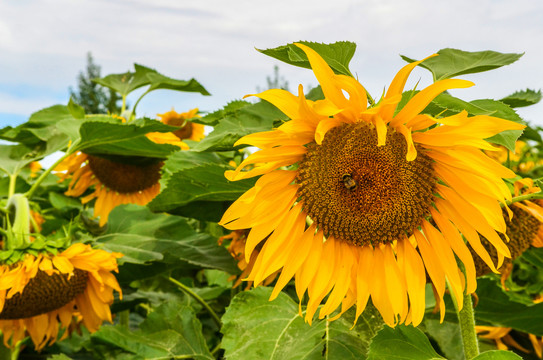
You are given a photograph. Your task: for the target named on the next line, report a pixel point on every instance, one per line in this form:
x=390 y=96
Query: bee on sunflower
x=359 y=202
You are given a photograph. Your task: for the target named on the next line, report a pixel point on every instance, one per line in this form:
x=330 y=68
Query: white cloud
x=43 y=43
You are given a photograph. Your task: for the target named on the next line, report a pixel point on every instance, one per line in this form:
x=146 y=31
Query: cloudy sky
x=43 y=45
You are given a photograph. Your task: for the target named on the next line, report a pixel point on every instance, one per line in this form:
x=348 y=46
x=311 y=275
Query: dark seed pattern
x=125 y=178
x=363 y=194
x=44 y=293
x=183 y=133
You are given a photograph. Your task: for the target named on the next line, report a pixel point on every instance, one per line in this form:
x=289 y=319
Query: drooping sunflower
x=40 y=295
x=187 y=131
x=524 y=229
x=357 y=202
x=504 y=340
x=125 y=179
x=236 y=248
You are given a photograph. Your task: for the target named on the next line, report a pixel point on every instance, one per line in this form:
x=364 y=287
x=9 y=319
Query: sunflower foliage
x=148 y=195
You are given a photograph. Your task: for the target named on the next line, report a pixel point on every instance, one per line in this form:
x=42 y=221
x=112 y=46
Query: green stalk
x=467 y=327
x=21 y=222
x=538 y=195
x=42 y=177
x=12 y=182
x=138 y=101
x=199 y=299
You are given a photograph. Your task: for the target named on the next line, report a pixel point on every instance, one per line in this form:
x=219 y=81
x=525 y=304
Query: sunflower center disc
x=183 y=133
x=363 y=194
x=44 y=293
x=123 y=177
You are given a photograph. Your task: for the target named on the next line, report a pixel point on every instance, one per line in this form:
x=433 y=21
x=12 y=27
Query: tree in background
x=275 y=82
x=94 y=98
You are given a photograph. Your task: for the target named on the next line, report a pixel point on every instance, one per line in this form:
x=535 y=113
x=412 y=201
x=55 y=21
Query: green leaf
x=522 y=98
x=202 y=183
x=506 y=138
x=204 y=204
x=146 y=237
x=230 y=109
x=159 y=81
x=454 y=62
x=497 y=355
x=78 y=112
x=63 y=202
x=447 y=335
x=105 y=137
x=337 y=55
x=446 y=105
x=43 y=129
x=239 y=122
x=14 y=157
x=171 y=331
x=256 y=328
x=495 y=307
x=402 y=342
x=126 y=82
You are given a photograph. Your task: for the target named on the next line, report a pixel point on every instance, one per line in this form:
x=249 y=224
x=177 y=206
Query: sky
x=43 y=45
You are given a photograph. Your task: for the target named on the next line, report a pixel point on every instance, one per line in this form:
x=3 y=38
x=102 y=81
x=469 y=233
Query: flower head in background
x=524 y=229
x=373 y=199
x=40 y=295
x=504 y=340
x=124 y=179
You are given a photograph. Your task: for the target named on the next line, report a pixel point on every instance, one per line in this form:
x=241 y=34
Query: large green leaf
x=145 y=237
x=41 y=126
x=506 y=138
x=337 y=55
x=496 y=308
x=454 y=62
x=202 y=183
x=447 y=105
x=105 y=137
x=230 y=109
x=522 y=98
x=127 y=82
x=497 y=355
x=244 y=120
x=402 y=342
x=255 y=328
x=447 y=335
x=190 y=178
x=159 y=81
x=14 y=157
x=171 y=331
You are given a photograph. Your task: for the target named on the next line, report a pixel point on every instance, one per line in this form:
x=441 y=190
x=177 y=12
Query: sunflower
x=125 y=179
x=41 y=294
x=504 y=340
x=236 y=248
x=187 y=131
x=524 y=229
x=357 y=202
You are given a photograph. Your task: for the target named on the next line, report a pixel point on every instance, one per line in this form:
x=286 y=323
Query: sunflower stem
x=12 y=182
x=187 y=290
x=538 y=195
x=138 y=101
x=467 y=327
x=42 y=177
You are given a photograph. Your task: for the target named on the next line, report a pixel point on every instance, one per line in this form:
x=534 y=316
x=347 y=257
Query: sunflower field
x=330 y=223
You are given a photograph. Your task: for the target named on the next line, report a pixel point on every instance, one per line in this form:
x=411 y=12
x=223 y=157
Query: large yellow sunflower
x=40 y=295
x=372 y=199
x=125 y=180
